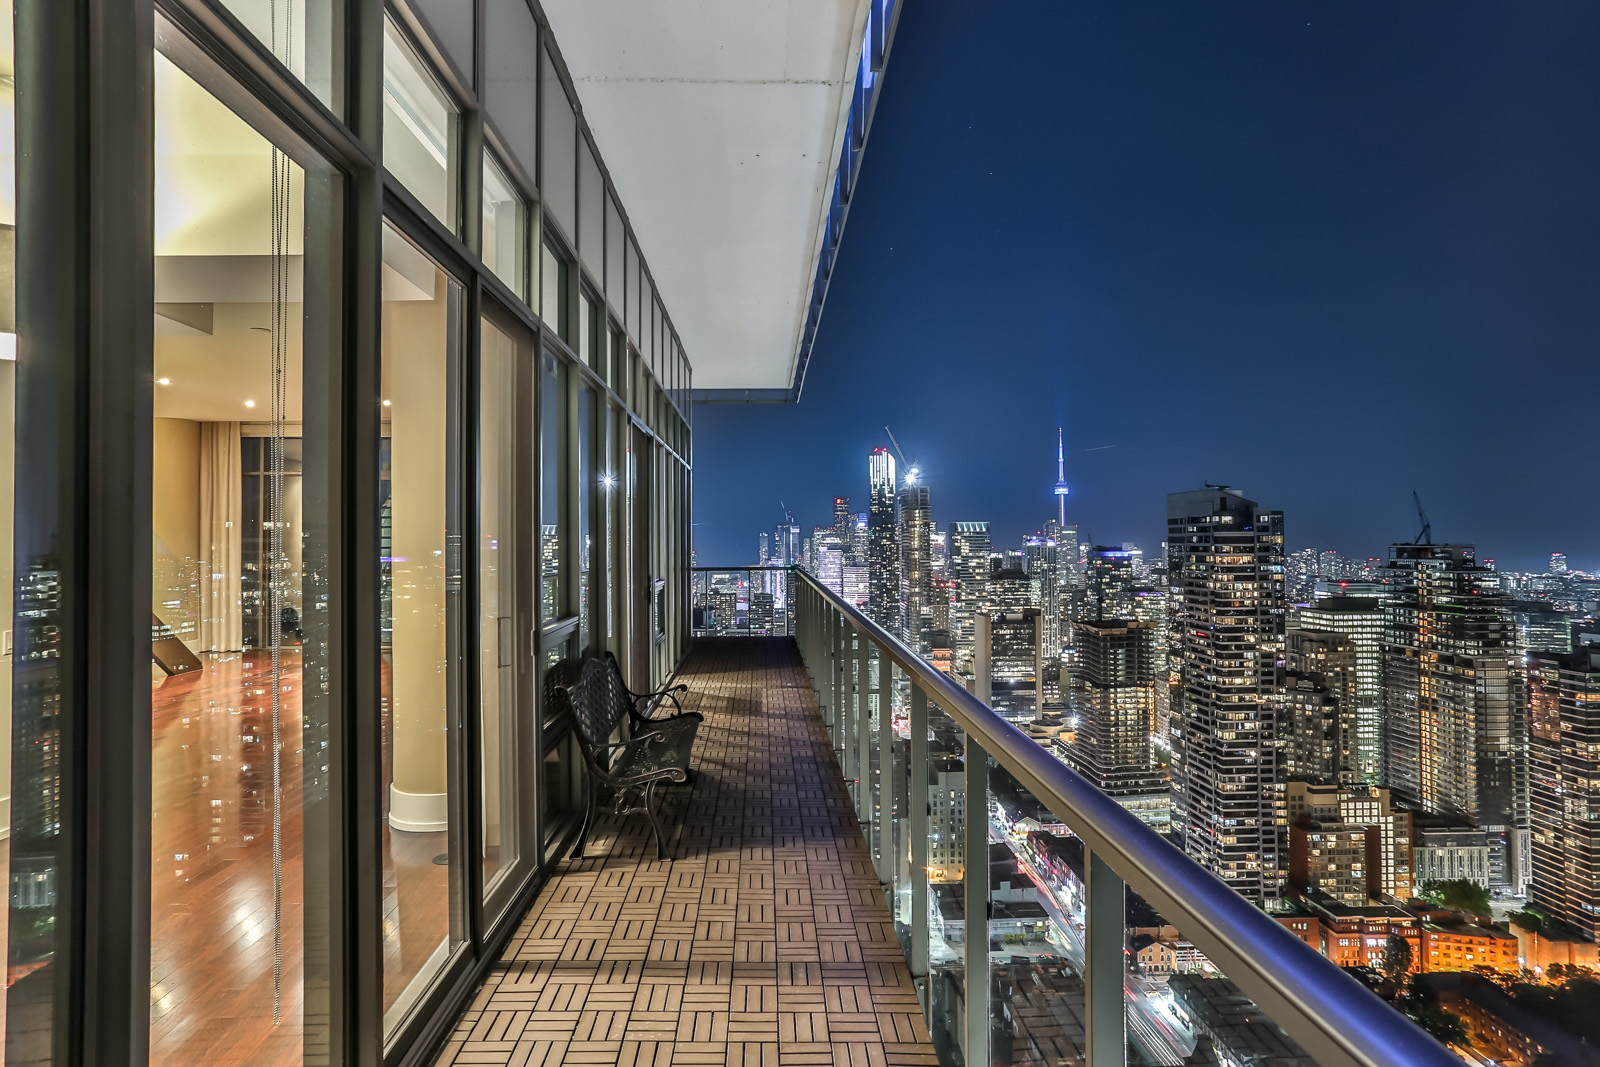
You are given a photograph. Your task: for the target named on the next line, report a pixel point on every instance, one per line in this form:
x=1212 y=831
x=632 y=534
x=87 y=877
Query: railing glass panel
x=742 y=601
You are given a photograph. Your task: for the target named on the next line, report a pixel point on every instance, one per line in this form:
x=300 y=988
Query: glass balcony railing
x=742 y=601
x=1104 y=943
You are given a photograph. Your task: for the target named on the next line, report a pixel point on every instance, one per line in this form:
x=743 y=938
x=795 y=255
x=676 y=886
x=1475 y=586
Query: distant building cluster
x=1333 y=737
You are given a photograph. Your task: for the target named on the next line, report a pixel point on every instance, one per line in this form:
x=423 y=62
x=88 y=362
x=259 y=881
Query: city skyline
x=1337 y=221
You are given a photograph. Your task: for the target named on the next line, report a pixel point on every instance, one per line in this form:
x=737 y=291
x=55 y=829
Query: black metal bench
x=656 y=750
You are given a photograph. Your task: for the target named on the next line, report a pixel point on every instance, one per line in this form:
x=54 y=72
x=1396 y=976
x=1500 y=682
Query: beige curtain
x=221 y=538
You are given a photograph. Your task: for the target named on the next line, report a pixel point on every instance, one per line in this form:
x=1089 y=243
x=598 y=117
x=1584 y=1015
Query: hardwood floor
x=211 y=872
x=765 y=942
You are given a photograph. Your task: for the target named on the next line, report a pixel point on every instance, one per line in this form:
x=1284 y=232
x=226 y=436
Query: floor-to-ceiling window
x=421 y=508
x=384 y=491
x=241 y=453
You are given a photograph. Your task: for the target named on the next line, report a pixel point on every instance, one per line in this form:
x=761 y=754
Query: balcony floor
x=765 y=942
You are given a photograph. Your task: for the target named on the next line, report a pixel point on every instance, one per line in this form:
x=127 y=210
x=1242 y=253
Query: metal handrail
x=1332 y=1016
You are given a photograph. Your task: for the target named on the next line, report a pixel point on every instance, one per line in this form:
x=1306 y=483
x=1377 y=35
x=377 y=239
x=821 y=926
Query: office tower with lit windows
x=765 y=548
x=1113 y=698
x=1039 y=555
x=854 y=585
x=860 y=539
x=786 y=544
x=1111 y=582
x=916 y=561
x=1015 y=668
x=884 y=605
x=969 y=594
x=1360 y=619
x=1010 y=589
x=1455 y=742
x=843 y=521
x=1225 y=562
x=1558 y=563
x=1564 y=785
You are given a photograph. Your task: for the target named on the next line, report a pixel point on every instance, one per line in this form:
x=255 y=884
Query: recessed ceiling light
x=163 y=381
x=249 y=403
x=386 y=403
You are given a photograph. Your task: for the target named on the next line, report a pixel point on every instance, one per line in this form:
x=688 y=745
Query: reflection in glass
x=497 y=624
x=240 y=451
x=552 y=465
x=420 y=128
x=947 y=874
x=588 y=484
x=421 y=331
x=553 y=298
x=504 y=224
x=1036 y=931
x=305 y=37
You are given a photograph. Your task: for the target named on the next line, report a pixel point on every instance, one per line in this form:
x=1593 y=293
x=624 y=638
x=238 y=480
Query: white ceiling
x=720 y=122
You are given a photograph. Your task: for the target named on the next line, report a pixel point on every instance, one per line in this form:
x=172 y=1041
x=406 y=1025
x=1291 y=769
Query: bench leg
x=588 y=821
x=655 y=822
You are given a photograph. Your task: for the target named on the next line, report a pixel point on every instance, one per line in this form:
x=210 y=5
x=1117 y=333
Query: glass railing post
x=976 y=909
x=917 y=810
x=839 y=675
x=864 y=810
x=1105 y=968
x=885 y=816
x=852 y=724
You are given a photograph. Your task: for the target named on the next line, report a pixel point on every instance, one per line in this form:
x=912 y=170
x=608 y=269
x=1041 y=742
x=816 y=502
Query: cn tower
x=1061 y=478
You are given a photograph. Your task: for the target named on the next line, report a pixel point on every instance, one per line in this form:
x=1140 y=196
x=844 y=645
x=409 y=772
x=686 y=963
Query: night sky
x=1327 y=253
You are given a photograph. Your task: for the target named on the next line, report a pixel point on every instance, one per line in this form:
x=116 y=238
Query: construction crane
x=911 y=466
x=1425 y=535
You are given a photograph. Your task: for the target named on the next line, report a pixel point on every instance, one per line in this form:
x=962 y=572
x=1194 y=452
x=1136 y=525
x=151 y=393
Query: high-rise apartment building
x=1013 y=655
x=1564 y=785
x=1454 y=739
x=916 y=564
x=969 y=571
x=1113 y=698
x=884 y=605
x=1321 y=695
x=1348 y=841
x=1360 y=619
x=1151 y=606
x=1225 y=562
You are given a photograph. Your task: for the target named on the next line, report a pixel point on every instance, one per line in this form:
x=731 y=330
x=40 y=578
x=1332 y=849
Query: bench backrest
x=599 y=703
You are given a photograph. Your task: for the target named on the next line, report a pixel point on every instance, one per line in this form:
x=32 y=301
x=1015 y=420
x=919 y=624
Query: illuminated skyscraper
x=969 y=570
x=1014 y=662
x=1454 y=741
x=765 y=548
x=1039 y=554
x=1225 y=561
x=1111 y=583
x=916 y=562
x=883 y=542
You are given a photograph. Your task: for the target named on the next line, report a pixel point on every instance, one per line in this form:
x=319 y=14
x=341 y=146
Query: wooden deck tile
x=765 y=942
